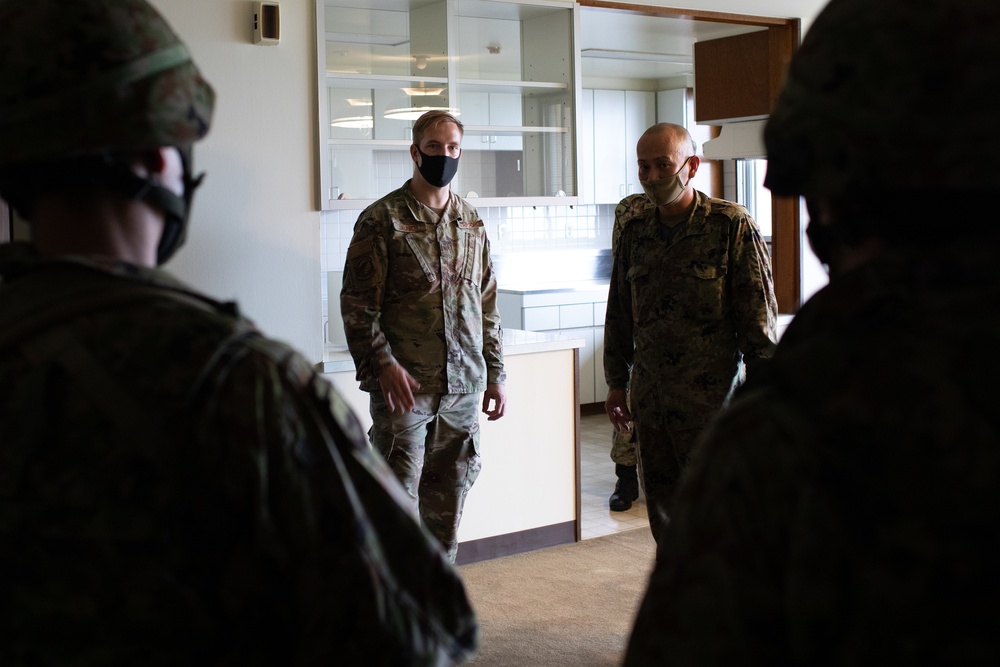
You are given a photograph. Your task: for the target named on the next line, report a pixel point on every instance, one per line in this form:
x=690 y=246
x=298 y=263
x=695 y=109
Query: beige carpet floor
x=572 y=604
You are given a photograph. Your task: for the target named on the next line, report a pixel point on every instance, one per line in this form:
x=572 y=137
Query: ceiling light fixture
x=360 y=122
x=422 y=92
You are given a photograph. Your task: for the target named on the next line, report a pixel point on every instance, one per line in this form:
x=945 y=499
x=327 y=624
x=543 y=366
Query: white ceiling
x=632 y=46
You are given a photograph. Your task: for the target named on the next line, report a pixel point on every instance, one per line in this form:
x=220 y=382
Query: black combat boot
x=626 y=488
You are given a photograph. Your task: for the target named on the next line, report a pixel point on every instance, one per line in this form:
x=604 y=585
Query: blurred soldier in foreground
x=690 y=305
x=176 y=489
x=421 y=320
x=842 y=510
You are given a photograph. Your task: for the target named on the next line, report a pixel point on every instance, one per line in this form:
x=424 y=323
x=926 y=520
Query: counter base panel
x=522 y=541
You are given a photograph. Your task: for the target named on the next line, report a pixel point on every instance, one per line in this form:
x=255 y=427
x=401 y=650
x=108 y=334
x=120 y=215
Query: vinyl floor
x=597 y=481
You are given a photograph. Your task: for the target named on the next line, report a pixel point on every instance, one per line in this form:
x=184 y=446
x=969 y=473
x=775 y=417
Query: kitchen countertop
x=599 y=285
x=336 y=358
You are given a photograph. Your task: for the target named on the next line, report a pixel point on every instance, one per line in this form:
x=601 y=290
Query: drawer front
x=541 y=319
x=576 y=315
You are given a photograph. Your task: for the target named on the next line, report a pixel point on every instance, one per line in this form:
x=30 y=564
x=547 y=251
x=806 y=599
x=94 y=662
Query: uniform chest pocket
x=471 y=243
x=643 y=306
x=413 y=257
x=704 y=295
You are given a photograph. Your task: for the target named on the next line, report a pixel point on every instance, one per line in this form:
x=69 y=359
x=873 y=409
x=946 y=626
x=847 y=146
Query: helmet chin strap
x=176 y=208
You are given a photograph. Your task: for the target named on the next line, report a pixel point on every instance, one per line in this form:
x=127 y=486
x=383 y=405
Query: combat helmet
x=890 y=96
x=98 y=78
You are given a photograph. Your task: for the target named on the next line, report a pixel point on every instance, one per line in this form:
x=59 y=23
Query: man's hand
x=618 y=412
x=495 y=393
x=397 y=388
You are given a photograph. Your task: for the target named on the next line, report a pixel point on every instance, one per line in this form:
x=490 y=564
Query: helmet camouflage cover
x=87 y=76
x=890 y=95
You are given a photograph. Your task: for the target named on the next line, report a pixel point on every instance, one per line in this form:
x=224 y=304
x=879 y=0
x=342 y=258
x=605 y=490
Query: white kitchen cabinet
x=573 y=312
x=619 y=117
x=492 y=121
x=505 y=68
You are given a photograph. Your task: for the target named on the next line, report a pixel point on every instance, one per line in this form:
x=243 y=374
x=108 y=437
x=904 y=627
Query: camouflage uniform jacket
x=177 y=489
x=682 y=313
x=842 y=510
x=422 y=292
x=628 y=208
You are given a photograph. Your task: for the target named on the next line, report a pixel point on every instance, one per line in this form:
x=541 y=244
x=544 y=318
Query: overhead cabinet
x=611 y=123
x=504 y=68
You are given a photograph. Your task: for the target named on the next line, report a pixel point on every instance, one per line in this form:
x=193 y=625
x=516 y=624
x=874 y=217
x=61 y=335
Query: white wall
x=254 y=233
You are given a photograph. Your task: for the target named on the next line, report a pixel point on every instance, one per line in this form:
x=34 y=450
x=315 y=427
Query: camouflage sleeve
x=327 y=535
x=618 y=338
x=755 y=308
x=492 y=332
x=361 y=297
x=715 y=596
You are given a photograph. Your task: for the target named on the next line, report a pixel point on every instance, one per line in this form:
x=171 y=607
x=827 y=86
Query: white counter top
x=600 y=286
x=336 y=358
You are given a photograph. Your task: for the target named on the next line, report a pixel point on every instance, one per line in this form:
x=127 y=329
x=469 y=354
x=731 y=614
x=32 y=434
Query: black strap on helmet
x=176 y=208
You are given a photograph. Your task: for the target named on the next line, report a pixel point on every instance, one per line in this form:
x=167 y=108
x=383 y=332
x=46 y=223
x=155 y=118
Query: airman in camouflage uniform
x=691 y=302
x=842 y=511
x=623 y=442
x=175 y=488
x=421 y=321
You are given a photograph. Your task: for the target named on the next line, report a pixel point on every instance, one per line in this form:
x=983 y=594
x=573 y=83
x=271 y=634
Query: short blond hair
x=433 y=119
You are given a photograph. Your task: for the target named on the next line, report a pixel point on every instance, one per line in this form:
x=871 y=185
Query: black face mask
x=438 y=170
x=177 y=210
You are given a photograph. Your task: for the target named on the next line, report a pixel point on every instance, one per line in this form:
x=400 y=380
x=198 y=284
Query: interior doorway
x=653 y=48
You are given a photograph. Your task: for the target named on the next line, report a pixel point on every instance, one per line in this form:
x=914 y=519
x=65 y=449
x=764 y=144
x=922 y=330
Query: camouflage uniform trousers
x=434 y=452
x=662 y=456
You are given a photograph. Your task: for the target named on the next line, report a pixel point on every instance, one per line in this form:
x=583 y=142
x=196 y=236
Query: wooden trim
x=783 y=42
x=786 y=253
x=509 y=544
x=785 y=219
x=692 y=14
x=577 y=490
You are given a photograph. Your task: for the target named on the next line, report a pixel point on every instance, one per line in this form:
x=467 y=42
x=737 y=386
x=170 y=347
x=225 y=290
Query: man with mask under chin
x=421 y=321
x=691 y=307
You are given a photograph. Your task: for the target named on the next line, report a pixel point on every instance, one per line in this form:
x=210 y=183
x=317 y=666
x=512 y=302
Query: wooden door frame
x=784 y=38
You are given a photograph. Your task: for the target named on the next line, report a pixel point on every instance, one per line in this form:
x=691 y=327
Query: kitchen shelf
x=381 y=81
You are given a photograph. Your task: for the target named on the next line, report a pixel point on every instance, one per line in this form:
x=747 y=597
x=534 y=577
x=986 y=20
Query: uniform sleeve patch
x=362 y=268
x=360 y=248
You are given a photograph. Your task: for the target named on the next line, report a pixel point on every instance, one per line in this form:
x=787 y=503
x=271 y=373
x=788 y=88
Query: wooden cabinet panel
x=733 y=78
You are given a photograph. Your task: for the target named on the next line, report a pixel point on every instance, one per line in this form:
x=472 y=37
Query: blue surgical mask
x=438 y=170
